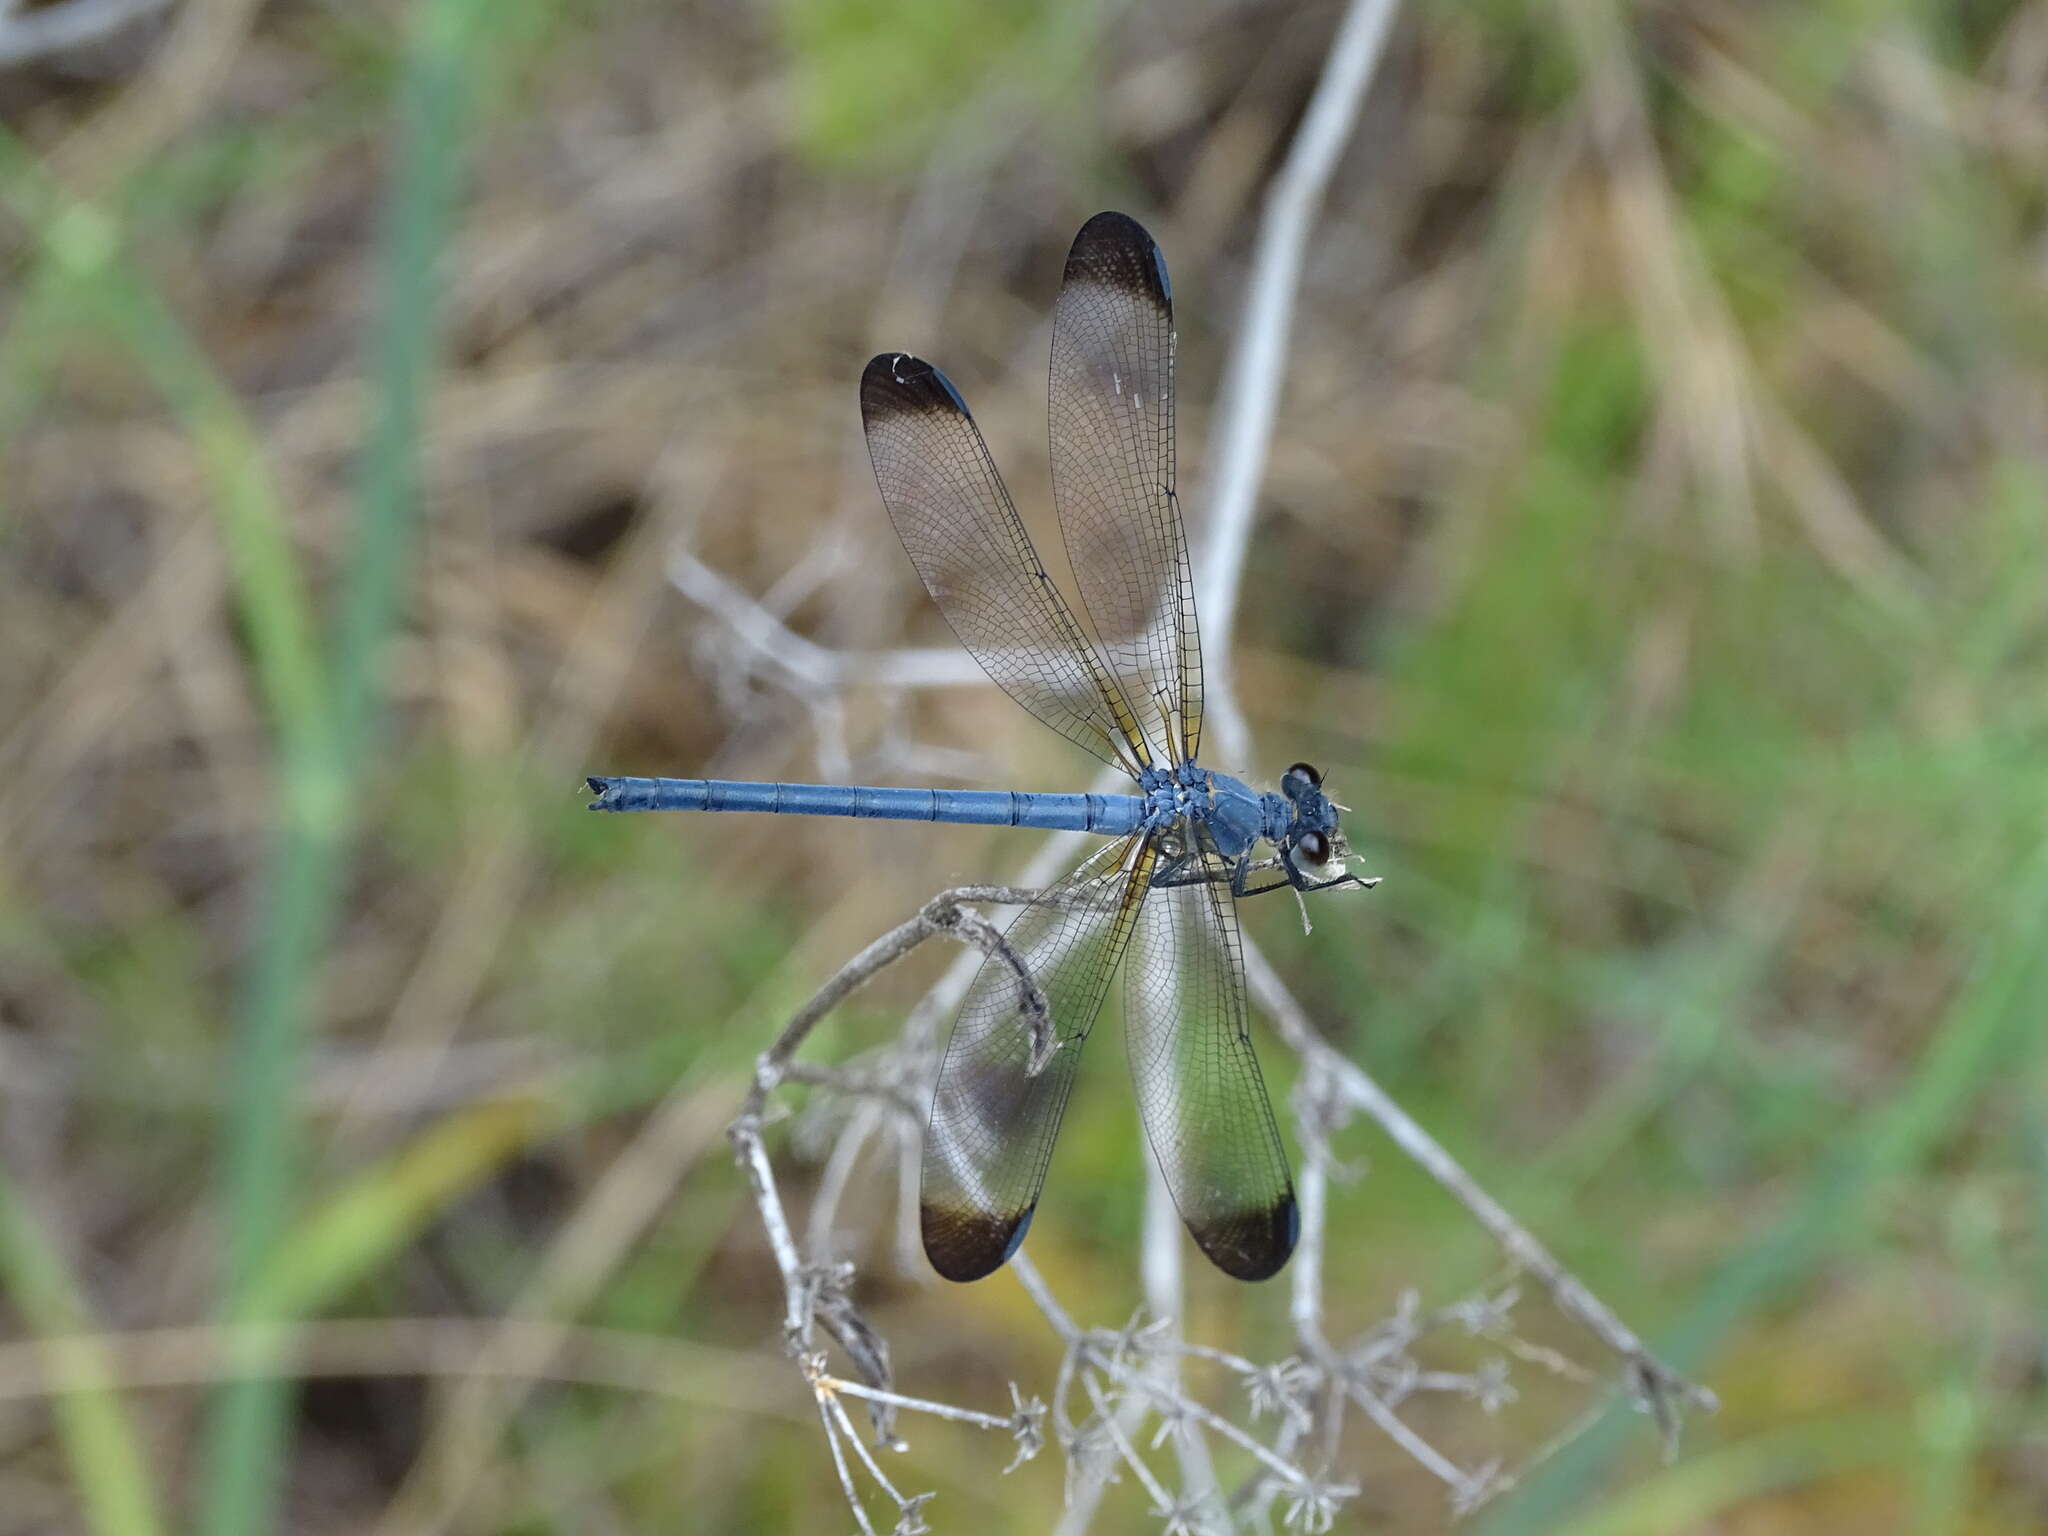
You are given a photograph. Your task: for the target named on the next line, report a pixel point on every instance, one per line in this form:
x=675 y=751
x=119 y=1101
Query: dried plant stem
x=1128 y=1376
x=29 y=36
x=1665 y=1393
x=946 y=913
x=1259 y=365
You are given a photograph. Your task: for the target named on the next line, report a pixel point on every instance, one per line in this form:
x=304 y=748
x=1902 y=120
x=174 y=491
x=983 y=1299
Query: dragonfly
x=1160 y=895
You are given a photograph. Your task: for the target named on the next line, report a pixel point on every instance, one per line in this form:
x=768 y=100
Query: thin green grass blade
x=246 y=1439
x=1700 y=1489
x=84 y=271
x=1992 y=1030
x=362 y=1225
x=1953 y=1418
x=94 y=1426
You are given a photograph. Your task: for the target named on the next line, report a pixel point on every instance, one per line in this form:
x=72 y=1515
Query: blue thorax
x=1235 y=815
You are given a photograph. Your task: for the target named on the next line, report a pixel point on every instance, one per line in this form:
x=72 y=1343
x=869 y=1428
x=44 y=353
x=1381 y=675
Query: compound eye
x=1313 y=846
x=1308 y=773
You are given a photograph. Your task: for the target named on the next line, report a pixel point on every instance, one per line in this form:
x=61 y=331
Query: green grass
x=322 y=751
x=323 y=706
x=116 y=1491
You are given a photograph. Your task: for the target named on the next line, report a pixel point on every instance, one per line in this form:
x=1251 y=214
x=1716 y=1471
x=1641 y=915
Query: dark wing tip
x=1114 y=249
x=967 y=1245
x=895 y=383
x=1254 y=1245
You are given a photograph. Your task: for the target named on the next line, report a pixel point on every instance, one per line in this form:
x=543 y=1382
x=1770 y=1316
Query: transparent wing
x=1200 y=1095
x=992 y=1127
x=974 y=556
x=1113 y=473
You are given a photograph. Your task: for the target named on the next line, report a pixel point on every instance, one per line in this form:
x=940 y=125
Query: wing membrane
x=972 y=552
x=1200 y=1095
x=1111 y=398
x=992 y=1127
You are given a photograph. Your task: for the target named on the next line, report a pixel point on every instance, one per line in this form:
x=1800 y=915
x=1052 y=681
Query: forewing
x=1200 y=1095
x=974 y=556
x=1111 y=400
x=993 y=1126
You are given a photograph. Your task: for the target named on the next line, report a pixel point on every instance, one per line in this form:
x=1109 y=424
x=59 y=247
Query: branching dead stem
x=1111 y=1398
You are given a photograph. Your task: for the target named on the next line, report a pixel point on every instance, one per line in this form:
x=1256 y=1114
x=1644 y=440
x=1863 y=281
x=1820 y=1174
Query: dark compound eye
x=1314 y=847
x=1308 y=773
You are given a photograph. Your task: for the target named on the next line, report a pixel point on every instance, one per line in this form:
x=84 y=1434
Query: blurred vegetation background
x=1653 y=552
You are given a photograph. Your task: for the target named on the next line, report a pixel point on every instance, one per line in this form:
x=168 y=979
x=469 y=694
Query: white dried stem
x=925 y=1405
x=853 y=1499
x=28 y=37
x=805 y=665
x=1106 y=1416
x=1258 y=369
x=1665 y=1392
x=838 y=1412
x=1391 y=1424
